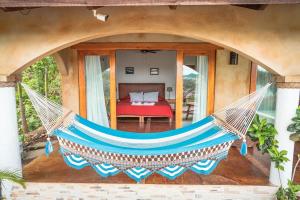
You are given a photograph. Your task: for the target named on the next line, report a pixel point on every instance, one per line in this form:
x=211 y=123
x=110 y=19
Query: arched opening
x=227 y=78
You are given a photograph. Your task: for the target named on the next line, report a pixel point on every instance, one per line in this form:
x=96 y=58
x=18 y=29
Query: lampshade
x=169 y=89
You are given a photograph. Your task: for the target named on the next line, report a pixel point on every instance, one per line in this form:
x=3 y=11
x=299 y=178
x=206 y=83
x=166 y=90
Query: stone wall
x=82 y=191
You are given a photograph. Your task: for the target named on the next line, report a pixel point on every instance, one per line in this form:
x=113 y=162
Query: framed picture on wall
x=129 y=70
x=154 y=71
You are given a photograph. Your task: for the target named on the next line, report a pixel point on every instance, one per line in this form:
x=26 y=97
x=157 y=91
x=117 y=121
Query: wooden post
x=211 y=81
x=113 y=96
x=179 y=89
x=82 y=85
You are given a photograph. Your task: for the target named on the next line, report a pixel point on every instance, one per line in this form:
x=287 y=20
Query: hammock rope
x=198 y=147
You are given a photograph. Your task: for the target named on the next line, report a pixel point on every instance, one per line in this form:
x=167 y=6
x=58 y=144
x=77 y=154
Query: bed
x=125 y=109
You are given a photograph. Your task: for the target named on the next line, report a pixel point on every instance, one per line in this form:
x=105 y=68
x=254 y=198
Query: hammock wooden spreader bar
x=198 y=147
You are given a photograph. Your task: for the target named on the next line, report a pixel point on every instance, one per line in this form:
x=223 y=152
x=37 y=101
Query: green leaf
x=291 y=127
x=12 y=176
x=295 y=119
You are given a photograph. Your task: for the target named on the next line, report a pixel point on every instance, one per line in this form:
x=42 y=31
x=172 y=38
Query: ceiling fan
x=148 y=51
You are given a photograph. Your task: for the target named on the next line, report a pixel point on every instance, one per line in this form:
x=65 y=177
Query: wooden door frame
x=112 y=78
x=253 y=77
x=211 y=53
x=181 y=50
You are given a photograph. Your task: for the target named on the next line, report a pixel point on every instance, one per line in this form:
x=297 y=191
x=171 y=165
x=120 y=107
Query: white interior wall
x=142 y=62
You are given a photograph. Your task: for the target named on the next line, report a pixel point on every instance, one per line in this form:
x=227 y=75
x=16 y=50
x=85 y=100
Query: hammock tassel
x=48 y=147
x=244 y=147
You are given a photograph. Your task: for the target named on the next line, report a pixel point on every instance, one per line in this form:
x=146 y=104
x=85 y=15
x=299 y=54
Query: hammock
x=198 y=147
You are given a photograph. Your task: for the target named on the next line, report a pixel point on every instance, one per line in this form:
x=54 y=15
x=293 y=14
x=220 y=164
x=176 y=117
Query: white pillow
x=136 y=96
x=151 y=97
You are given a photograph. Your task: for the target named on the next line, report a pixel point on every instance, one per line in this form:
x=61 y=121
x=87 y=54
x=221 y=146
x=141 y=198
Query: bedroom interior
x=179 y=75
x=186 y=72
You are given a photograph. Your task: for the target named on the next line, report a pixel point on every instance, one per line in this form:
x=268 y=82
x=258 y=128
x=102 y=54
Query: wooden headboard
x=125 y=88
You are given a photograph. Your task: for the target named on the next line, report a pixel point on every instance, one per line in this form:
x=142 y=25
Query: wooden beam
x=35 y=3
x=253 y=6
x=145 y=46
x=179 y=90
x=173 y=7
x=14 y=9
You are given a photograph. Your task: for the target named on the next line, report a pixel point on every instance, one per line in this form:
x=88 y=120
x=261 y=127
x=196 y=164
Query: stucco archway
x=270 y=37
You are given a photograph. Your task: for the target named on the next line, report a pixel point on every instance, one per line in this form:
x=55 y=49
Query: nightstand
x=172 y=103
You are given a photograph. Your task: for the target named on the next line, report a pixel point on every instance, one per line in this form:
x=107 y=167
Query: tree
x=43 y=77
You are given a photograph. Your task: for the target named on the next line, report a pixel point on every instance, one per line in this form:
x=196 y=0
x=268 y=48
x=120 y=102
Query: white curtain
x=96 y=109
x=201 y=88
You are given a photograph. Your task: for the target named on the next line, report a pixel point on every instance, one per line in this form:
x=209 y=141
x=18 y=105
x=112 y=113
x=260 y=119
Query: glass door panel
x=195 y=88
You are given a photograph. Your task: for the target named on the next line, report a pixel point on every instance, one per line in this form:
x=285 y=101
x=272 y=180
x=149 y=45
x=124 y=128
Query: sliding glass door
x=195 y=84
x=97 y=87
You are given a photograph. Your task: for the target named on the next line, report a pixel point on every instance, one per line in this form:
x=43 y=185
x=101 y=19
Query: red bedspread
x=161 y=109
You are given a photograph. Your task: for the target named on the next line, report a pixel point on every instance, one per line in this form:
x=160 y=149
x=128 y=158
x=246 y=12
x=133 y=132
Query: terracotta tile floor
x=234 y=170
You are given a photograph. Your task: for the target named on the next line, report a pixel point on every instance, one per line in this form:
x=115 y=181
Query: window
x=268 y=105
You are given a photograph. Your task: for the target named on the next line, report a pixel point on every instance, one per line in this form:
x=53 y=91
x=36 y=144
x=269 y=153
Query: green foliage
x=263 y=133
x=12 y=176
x=278 y=157
x=281 y=194
x=289 y=193
x=34 y=77
x=295 y=126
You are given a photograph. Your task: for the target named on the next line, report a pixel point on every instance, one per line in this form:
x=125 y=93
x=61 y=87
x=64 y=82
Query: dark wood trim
x=253 y=6
x=288 y=85
x=7 y=84
x=253 y=77
x=38 y=3
x=145 y=45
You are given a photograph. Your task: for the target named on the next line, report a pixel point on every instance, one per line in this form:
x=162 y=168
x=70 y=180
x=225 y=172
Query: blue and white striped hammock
x=198 y=147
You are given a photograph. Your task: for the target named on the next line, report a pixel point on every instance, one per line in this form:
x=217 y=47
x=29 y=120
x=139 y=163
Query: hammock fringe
x=244 y=148
x=48 y=147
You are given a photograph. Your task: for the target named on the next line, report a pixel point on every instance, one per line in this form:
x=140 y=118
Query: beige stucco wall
x=271 y=37
x=70 y=89
x=145 y=37
x=232 y=81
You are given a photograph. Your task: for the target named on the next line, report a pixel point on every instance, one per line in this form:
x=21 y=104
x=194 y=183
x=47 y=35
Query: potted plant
x=295 y=127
